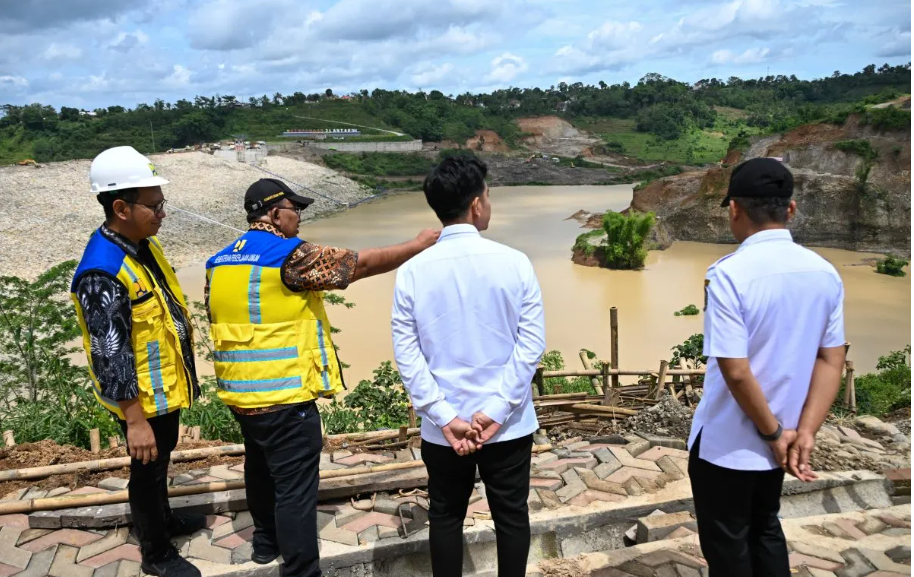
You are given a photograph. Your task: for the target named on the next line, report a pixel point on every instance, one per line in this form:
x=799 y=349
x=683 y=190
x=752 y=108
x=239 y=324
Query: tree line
x=659 y=105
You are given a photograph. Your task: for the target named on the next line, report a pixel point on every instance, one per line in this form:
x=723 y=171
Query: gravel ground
x=53 y=203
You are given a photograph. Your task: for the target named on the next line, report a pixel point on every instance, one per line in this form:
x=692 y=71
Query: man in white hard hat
x=137 y=336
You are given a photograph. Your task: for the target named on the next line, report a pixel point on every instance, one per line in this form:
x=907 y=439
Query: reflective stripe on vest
x=161 y=375
x=272 y=345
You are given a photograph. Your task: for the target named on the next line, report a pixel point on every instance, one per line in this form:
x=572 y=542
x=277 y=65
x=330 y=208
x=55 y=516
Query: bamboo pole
x=386 y=436
x=113 y=442
x=8 y=439
x=585 y=360
x=114 y=463
x=641 y=373
x=661 y=378
x=563 y=402
x=614 y=342
x=850 y=392
x=559 y=397
x=402 y=437
x=95 y=441
x=371 y=435
x=94 y=499
x=412 y=417
x=602 y=409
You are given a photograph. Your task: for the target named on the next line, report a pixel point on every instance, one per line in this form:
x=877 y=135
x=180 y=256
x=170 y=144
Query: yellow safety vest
x=162 y=376
x=272 y=345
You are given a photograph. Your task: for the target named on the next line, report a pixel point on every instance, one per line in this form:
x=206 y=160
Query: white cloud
x=750 y=56
x=613 y=35
x=505 y=68
x=179 y=77
x=13 y=81
x=899 y=45
x=430 y=75
x=127 y=41
x=56 y=52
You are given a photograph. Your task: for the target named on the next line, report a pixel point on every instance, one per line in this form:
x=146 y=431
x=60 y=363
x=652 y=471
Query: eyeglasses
x=155 y=208
x=296 y=209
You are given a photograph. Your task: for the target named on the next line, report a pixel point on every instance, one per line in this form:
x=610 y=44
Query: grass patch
x=892 y=266
x=583 y=244
x=380 y=163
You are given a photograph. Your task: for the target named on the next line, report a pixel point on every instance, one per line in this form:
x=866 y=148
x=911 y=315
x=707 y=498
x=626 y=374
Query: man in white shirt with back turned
x=468 y=334
x=774 y=335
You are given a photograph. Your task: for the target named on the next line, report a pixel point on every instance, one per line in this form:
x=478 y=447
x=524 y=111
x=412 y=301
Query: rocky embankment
x=835 y=209
x=49 y=212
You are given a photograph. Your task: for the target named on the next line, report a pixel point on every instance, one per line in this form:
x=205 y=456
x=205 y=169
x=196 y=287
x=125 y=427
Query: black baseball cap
x=759 y=178
x=267 y=191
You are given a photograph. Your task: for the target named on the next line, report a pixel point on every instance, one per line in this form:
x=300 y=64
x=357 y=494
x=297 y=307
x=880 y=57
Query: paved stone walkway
x=578 y=476
x=861 y=544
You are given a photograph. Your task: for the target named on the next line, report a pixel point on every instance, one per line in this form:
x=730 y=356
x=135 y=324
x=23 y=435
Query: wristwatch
x=773 y=436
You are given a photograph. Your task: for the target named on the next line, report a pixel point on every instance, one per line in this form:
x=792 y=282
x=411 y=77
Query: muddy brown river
x=577 y=299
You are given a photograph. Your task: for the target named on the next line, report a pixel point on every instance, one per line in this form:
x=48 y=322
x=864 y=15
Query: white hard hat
x=122 y=167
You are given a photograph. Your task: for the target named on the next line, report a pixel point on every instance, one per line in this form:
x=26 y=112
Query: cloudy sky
x=91 y=53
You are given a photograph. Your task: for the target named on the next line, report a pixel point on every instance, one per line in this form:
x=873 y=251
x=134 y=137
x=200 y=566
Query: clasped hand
x=467 y=438
x=792 y=452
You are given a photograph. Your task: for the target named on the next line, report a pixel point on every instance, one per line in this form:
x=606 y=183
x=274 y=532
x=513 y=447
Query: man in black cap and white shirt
x=774 y=335
x=274 y=357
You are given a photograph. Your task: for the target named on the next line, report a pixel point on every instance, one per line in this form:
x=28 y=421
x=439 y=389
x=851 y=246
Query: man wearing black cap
x=274 y=357
x=774 y=337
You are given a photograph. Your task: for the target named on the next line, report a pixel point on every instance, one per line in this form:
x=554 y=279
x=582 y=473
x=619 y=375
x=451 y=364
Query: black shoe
x=170 y=565
x=264 y=555
x=185 y=523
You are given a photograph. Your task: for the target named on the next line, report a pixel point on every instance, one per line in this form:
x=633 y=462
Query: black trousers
x=505 y=470
x=281 y=475
x=148 y=488
x=737 y=513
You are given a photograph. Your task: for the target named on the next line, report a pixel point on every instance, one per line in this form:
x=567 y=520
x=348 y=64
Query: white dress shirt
x=775 y=303
x=468 y=333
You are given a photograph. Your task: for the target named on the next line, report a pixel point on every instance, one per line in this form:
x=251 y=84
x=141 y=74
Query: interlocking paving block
x=128 y=569
x=686 y=571
x=182 y=479
x=899 y=554
x=224 y=473
x=664 y=556
x=34 y=493
x=655 y=453
x=534 y=503
x=871 y=525
x=362 y=459
x=70 y=537
x=593 y=481
x=849 y=432
x=40 y=563
x=201 y=548
x=894 y=520
x=113 y=484
x=815 y=551
x=590 y=495
x=881 y=562
x=242 y=553
x=649 y=485
x=10 y=554
x=481 y=506
x=626 y=473
x=562 y=465
x=369 y=535
x=680 y=532
x=338 y=535
x=637 y=569
x=627 y=460
x=64 y=564
x=855 y=565
x=109 y=570
x=235 y=539
x=550 y=484
x=801 y=560
x=58 y=491
x=549 y=498
x=657 y=527
x=114 y=538
x=612 y=439
x=637 y=446
x=16 y=520
x=337 y=455
x=543 y=459
x=369 y=520
x=577 y=446
x=633 y=487
x=14 y=495
x=31 y=535
x=123 y=552
x=574 y=486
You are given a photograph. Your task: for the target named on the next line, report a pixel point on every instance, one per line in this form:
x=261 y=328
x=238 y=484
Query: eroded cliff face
x=834 y=208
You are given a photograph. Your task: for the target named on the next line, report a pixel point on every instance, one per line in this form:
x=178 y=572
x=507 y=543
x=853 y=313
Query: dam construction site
x=610 y=492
